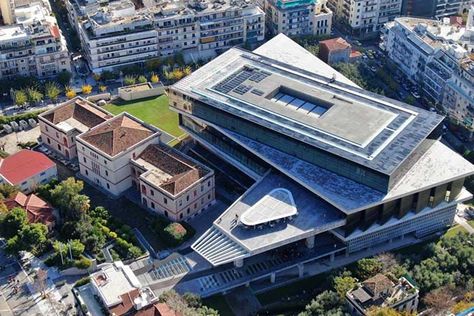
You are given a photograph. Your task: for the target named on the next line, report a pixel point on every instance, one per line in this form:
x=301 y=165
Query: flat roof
x=114 y=280
x=313 y=216
x=363 y=127
x=436 y=165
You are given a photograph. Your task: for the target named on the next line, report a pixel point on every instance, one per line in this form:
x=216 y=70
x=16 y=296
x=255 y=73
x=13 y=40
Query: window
x=187 y=198
x=195 y=205
x=166 y=213
x=181 y=216
x=152 y=205
x=165 y=200
x=87 y=172
x=195 y=193
x=208 y=196
x=108 y=186
x=84 y=159
x=152 y=192
x=106 y=173
x=188 y=210
x=24 y=183
x=59 y=147
x=49 y=140
x=43 y=173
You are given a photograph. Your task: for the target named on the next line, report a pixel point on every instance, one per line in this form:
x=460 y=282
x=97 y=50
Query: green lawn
x=454 y=230
x=154 y=111
x=471 y=222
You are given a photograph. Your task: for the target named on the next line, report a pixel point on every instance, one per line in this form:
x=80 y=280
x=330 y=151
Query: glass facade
x=292 y=146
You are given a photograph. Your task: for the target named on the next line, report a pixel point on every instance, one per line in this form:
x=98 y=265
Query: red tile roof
x=159 y=309
x=81 y=110
x=117 y=134
x=126 y=306
x=24 y=165
x=38 y=211
x=183 y=171
x=335 y=44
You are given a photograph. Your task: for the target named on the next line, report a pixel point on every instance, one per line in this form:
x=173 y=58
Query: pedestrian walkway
x=175 y=267
x=462 y=221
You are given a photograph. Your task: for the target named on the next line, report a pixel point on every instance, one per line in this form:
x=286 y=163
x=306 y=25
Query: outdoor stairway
x=216 y=247
x=172 y=268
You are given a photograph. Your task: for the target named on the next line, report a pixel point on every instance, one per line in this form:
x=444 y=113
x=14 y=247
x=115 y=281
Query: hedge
x=82 y=281
x=18 y=117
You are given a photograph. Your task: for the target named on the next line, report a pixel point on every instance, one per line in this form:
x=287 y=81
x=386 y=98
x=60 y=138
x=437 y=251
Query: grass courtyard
x=153 y=110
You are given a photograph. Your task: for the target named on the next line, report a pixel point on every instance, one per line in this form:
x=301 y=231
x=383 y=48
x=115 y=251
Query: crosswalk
x=172 y=268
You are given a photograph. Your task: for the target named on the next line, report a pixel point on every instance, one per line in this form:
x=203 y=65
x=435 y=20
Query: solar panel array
x=299 y=105
x=233 y=81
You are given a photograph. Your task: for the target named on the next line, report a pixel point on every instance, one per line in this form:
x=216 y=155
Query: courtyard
x=154 y=111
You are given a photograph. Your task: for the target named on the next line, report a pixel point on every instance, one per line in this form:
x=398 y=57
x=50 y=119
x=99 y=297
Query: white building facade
x=32 y=44
x=296 y=18
x=119 y=34
x=365 y=18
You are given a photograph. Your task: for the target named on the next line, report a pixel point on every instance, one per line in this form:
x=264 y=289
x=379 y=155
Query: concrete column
x=239 y=263
x=247 y=284
x=347 y=253
x=331 y=258
x=390 y=240
x=272 y=277
x=403 y=236
x=310 y=242
x=300 y=270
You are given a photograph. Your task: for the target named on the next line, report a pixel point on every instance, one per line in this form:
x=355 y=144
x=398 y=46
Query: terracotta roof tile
x=79 y=109
x=335 y=44
x=117 y=134
x=23 y=165
x=38 y=211
x=183 y=170
x=378 y=284
x=159 y=309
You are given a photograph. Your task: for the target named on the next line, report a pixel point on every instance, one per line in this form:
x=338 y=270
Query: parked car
x=24 y=124
x=7 y=128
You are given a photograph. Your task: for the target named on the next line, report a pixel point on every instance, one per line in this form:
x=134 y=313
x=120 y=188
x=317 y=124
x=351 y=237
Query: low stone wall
x=140 y=91
x=101 y=96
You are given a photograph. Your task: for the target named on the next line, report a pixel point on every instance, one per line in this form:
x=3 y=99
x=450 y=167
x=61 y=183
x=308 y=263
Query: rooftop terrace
x=276 y=228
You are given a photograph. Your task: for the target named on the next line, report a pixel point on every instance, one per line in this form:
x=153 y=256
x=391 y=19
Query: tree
x=8 y=191
x=63 y=78
x=79 y=206
x=3 y=209
x=34 y=96
x=20 y=97
x=77 y=248
x=326 y=303
x=367 y=268
x=64 y=193
x=439 y=300
x=13 y=222
x=141 y=79
x=34 y=236
x=70 y=93
x=86 y=89
x=343 y=284
x=154 y=78
x=429 y=276
x=52 y=90
x=129 y=80
x=187 y=70
x=352 y=72
x=153 y=64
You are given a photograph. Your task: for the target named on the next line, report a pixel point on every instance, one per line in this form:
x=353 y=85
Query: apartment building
x=365 y=18
x=121 y=33
x=434 y=55
x=104 y=152
x=61 y=125
x=435 y=8
x=458 y=98
x=171 y=183
x=298 y=17
x=31 y=44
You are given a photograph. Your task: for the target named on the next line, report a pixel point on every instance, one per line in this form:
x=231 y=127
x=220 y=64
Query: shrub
x=86 y=89
x=129 y=80
x=141 y=79
x=176 y=232
x=113 y=235
x=102 y=88
x=82 y=281
x=82 y=263
x=23 y=116
x=70 y=93
x=154 y=78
